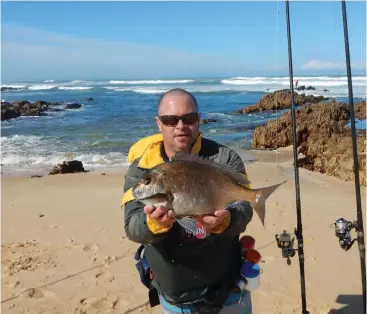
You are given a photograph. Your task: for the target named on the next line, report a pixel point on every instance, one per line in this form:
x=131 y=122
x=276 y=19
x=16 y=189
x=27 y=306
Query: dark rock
x=41 y=215
x=310 y=88
x=4 y=88
x=206 y=121
x=325 y=90
x=36 y=176
x=72 y=106
x=9 y=112
x=68 y=167
x=90 y=99
x=302 y=87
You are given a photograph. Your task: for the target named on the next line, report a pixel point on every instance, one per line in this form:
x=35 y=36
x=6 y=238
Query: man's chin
x=183 y=143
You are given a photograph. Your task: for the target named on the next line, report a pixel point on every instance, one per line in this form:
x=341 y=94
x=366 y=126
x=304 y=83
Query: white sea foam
x=14 y=85
x=138 y=90
x=152 y=82
x=324 y=85
x=75 y=87
x=26 y=151
x=48 y=81
x=41 y=87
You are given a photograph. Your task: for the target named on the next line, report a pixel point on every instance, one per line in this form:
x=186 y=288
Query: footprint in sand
x=97 y=303
x=90 y=247
x=104 y=277
x=36 y=293
x=13 y=284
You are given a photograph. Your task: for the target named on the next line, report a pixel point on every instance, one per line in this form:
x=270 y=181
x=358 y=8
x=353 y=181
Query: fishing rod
x=343 y=226
x=285 y=240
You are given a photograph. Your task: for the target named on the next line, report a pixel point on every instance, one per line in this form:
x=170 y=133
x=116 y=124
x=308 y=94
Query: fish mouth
x=157 y=195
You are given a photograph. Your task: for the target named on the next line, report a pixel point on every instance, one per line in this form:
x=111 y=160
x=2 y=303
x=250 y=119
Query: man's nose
x=180 y=124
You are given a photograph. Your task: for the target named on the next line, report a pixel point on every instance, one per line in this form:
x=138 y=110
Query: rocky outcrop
x=320 y=120
x=360 y=110
x=26 y=108
x=334 y=157
x=68 y=167
x=22 y=108
x=322 y=137
x=281 y=99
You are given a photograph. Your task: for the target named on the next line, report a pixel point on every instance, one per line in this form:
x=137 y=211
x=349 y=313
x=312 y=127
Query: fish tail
x=259 y=198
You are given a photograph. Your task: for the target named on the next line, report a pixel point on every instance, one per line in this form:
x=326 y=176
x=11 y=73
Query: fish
x=191 y=185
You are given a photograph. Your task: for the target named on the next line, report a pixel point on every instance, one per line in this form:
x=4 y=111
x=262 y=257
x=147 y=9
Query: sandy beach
x=64 y=249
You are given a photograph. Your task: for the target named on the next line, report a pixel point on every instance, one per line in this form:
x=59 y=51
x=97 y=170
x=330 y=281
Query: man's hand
x=211 y=222
x=160 y=215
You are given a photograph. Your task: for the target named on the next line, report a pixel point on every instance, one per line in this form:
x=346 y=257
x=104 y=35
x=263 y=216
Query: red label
x=200 y=231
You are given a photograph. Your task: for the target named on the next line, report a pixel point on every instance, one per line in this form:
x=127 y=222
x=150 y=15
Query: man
x=190 y=274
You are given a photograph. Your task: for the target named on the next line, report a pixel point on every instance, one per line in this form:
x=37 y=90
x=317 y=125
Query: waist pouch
x=146 y=275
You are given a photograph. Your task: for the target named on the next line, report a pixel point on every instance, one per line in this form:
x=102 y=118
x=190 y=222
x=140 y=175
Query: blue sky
x=112 y=40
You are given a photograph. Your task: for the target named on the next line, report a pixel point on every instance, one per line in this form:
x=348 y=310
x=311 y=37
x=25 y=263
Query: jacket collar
x=152 y=155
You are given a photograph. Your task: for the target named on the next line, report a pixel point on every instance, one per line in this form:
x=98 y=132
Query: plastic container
x=252 y=256
x=251 y=272
x=247 y=243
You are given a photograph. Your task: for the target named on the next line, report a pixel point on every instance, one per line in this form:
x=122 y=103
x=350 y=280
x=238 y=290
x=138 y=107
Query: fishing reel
x=285 y=242
x=342 y=231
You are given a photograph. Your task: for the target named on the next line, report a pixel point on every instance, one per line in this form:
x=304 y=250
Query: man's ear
x=158 y=123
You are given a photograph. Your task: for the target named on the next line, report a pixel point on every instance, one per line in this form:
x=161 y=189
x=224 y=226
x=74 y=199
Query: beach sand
x=64 y=249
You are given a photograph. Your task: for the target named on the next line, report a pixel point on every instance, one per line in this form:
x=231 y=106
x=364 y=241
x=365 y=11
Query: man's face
x=181 y=136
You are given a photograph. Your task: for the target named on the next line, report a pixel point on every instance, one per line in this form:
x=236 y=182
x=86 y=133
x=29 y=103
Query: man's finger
x=211 y=220
x=148 y=209
x=158 y=213
x=222 y=213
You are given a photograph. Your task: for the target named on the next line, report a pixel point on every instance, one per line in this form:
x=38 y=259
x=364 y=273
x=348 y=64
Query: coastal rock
x=322 y=138
x=334 y=156
x=281 y=99
x=72 y=106
x=360 y=110
x=8 y=112
x=90 y=99
x=320 y=120
x=68 y=167
x=26 y=108
x=206 y=121
x=305 y=88
x=5 y=88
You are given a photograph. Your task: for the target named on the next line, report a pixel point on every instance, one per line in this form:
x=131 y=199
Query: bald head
x=177 y=92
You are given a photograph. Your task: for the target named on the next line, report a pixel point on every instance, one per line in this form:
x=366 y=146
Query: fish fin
x=239 y=177
x=261 y=196
x=193 y=227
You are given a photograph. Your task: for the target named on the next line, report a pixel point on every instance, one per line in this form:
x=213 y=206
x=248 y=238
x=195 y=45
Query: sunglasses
x=171 y=120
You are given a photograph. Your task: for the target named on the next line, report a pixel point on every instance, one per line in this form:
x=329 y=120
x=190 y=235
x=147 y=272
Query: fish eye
x=147 y=181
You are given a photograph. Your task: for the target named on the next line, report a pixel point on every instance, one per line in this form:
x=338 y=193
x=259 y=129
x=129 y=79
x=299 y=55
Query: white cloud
x=34 y=52
x=330 y=65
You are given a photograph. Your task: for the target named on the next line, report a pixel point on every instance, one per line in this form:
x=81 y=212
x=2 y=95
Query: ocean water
x=122 y=111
